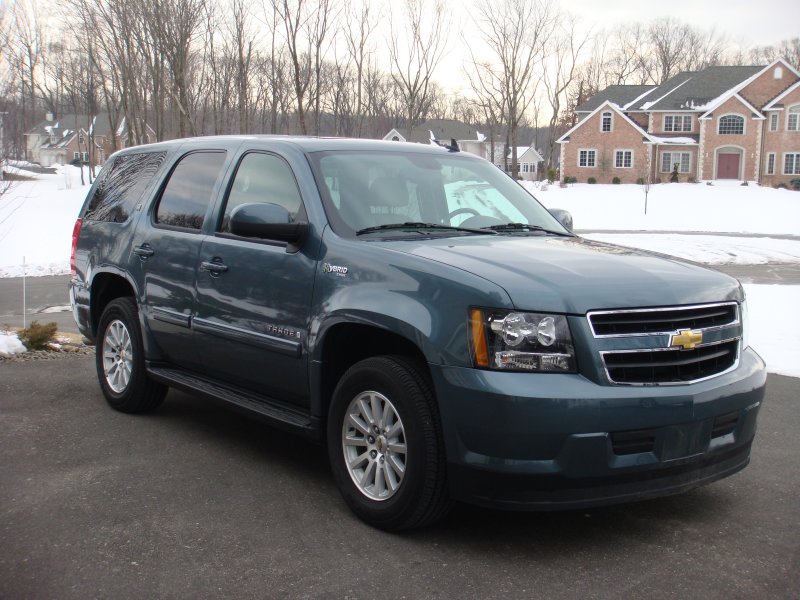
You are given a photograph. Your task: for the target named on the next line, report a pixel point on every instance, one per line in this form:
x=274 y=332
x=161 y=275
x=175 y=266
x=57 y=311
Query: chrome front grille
x=651 y=346
x=651 y=321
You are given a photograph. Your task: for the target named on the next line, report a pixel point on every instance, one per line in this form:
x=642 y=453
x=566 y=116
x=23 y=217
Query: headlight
x=745 y=324
x=520 y=341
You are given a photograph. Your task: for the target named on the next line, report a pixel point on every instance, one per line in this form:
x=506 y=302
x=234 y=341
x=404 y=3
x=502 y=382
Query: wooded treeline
x=330 y=67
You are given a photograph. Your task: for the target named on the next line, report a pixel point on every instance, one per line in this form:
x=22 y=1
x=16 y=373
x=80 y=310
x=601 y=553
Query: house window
x=677 y=122
x=80 y=139
x=731 y=125
x=587 y=158
x=773 y=122
x=670 y=159
x=77 y=156
x=85 y=157
x=792 y=118
x=53 y=138
x=778 y=73
x=791 y=163
x=623 y=159
x=606 y=122
x=771 y=163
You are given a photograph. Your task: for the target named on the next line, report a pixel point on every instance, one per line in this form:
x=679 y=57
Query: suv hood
x=574 y=275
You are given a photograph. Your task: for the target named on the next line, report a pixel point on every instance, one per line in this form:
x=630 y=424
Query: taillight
x=76 y=231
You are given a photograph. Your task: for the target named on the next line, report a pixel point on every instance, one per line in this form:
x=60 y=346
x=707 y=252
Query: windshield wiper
x=418 y=225
x=525 y=227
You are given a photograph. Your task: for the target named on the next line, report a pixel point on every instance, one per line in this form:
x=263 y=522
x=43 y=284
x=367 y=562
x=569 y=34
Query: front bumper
x=551 y=441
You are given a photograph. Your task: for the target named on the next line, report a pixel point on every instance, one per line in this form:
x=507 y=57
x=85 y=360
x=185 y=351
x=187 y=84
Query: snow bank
x=774 y=332
x=725 y=207
x=10 y=344
x=36 y=220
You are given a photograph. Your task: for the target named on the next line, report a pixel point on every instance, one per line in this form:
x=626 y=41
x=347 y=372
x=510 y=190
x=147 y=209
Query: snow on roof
x=635 y=100
x=647 y=105
x=683 y=141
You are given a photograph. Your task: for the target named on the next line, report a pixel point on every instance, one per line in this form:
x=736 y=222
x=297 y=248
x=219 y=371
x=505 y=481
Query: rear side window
x=188 y=192
x=121 y=188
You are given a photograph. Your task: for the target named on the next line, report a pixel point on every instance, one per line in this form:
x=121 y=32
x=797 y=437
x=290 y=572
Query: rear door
x=254 y=295
x=167 y=247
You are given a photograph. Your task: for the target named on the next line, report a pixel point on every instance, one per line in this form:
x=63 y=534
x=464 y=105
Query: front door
x=728 y=166
x=254 y=295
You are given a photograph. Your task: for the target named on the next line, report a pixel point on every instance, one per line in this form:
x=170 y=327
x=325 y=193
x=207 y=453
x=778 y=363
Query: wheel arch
x=343 y=344
x=106 y=287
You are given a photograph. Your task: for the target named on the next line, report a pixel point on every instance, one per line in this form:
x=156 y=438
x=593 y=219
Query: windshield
x=367 y=190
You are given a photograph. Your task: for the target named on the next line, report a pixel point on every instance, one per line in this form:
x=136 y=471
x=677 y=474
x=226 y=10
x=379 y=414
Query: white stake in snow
x=24 y=295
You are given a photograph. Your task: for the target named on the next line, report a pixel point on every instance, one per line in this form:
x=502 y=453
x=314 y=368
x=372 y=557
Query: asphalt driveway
x=195 y=501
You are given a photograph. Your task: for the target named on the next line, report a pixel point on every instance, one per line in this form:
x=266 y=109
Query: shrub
x=36 y=336
x=551 y=174
x=592 y=180
x=673 y=178
x=795 y=184
x=568 y=179
x=615 y=180
x=640 y=181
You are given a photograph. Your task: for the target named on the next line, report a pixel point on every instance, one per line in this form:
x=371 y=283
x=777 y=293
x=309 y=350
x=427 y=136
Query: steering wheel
x=463 y=211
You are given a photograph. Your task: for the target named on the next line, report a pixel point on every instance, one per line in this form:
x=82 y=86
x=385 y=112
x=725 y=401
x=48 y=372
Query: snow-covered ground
x=36 y=220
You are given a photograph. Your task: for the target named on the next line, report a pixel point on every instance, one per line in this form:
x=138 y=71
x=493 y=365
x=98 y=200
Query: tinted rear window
x=122 y=186
x=188 y=192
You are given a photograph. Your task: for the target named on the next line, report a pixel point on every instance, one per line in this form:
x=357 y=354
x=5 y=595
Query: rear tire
x=119 y=355
x=385 y=444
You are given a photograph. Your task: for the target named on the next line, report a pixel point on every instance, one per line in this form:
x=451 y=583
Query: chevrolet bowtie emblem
x=686 y=339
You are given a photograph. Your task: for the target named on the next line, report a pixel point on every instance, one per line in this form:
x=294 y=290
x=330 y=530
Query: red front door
x=727 y=166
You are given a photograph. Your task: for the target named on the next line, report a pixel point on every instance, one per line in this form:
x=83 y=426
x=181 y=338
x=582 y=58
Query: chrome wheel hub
x=117 y=356
x=374 y=445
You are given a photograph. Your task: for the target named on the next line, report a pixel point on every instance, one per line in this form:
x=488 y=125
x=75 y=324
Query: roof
x=100 y=124
x=618 y=94
x=775 y=103
x=534 y=156
x=696 y=90
x=443 y=129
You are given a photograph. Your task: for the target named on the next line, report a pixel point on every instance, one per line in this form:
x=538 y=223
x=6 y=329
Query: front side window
x=587 y=158
x=773 y=122
x=606 y=122
x=121 y=185
x=188 y=192
x=262 y=178
x=623 y=159
x=791 y=163
x=670 y=159
x=731 y=125
x=792 y=118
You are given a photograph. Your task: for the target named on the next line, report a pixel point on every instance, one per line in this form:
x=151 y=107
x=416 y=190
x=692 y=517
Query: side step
x=276 y=413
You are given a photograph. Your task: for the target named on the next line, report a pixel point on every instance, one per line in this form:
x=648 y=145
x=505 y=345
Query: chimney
x=49 y=117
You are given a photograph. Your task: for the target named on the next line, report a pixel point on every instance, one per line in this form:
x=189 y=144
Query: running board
x=276 y=413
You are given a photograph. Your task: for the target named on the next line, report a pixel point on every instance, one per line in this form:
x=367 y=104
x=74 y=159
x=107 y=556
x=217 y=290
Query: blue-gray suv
x=421 y=314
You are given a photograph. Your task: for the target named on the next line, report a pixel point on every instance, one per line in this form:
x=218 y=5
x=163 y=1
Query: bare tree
x=415 y=58
x=517 y=33
x=357 y=33
x=560 y=69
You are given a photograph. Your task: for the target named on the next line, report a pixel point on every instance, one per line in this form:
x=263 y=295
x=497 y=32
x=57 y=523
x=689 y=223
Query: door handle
x=144 y=251
x=215 y=268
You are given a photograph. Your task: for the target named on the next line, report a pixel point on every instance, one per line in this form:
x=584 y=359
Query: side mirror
x=562 y=216
x=266 y=221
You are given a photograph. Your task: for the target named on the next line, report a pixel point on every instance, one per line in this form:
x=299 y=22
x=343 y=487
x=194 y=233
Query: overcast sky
x=754 y=22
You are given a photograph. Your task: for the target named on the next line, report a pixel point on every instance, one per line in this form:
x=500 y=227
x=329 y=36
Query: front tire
x=120 y=363
x=385 y=444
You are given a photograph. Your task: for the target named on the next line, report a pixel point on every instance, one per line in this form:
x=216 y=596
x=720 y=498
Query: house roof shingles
x=694 y=90
x=618 y=94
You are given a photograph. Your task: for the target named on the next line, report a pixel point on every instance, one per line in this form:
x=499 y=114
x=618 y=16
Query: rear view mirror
x=266 y=221
x=562 y=216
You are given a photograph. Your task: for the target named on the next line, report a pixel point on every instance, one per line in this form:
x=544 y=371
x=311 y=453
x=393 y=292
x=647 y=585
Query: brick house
x=76 y=137
x=740 y=122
